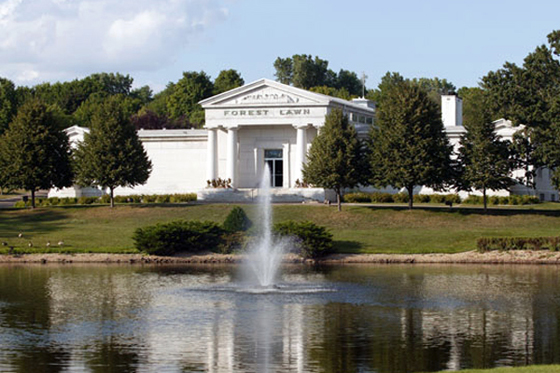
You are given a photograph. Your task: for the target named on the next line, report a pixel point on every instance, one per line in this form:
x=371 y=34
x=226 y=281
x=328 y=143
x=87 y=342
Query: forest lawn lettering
x=265 y=112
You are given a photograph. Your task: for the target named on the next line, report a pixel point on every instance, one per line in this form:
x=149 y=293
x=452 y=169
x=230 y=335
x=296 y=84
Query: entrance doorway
x=273 y=158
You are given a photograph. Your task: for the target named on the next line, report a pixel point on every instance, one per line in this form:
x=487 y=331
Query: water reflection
x=379 y=319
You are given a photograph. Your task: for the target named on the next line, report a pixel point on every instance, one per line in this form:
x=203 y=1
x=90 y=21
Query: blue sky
x=156 y=40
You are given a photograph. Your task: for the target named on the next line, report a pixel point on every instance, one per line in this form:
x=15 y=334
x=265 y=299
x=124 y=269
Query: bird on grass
x=4 y=243
x=20 y=235
x=48 y=243
x=30 y=244
x=60 y=243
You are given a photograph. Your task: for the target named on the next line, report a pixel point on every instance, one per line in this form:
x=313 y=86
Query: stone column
x=231 y=170
x=211 y=154
x=301 y=150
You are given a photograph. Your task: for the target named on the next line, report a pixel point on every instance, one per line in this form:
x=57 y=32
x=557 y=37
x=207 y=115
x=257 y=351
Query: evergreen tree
x=335 y=160
x=35 y=150
x=483 y=158
x=409 y=146
x=112 y=155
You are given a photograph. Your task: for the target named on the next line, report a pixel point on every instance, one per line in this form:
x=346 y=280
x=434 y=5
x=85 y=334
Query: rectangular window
x=273 y=158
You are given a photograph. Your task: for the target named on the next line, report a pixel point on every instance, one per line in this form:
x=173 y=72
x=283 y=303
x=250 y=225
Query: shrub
x=20 y=204
x=87 y=200
x=178 y=236
x=421 y=198
x=149 y=198
x=237 y=220
x=163 y=198
x=187 y=197
x=473 y=200
x=312 y=241
x=518 y=243
x=382 y=197
x=400 y=197
x=358 y=197
x=453 y=198
x=233 y=241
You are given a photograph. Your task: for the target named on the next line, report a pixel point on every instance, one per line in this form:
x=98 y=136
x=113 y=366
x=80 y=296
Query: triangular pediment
x=265 y=92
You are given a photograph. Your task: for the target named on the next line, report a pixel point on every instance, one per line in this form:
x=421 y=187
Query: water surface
x=353 y=318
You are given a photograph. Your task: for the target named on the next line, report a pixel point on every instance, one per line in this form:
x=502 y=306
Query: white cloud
x=61 y=39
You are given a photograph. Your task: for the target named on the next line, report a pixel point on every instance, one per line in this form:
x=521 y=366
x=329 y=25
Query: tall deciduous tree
x=35 y=150
x=8 y=103
x=484 y=160
x=529 y=95
x=335 y=160
x=226 y=80
x=189 y=90
x=112 y=155
x=408 y=146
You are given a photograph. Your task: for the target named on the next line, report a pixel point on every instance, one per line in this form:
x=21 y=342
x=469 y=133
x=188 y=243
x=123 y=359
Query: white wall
x=177 y=167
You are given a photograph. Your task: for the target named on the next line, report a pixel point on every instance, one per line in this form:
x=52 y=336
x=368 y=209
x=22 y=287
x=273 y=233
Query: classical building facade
x=264 y=123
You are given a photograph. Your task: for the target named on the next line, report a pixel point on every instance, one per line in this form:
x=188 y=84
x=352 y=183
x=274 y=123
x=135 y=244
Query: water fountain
x=265 y=255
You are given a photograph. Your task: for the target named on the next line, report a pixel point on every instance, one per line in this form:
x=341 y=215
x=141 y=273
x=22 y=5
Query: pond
x=353 y=318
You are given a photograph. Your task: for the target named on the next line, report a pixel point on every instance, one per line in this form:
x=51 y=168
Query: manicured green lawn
x=529 y=369
x=357 y=229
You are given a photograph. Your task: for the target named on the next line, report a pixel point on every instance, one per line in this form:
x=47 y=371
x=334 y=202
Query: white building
x=264 y=122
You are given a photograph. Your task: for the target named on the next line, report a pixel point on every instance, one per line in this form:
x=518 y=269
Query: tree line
x=34 y=149
x=408 y=147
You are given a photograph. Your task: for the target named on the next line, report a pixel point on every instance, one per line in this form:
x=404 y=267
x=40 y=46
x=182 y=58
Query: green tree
x=112 y=155
x=484 y=160
x=8 y=103
x=189 y=90
x=284 y=70
x=304 y=71
x=158 y=104
x=529 y=95
x=349 y=81
x=335 y=160
x=388 y=81
x=83 y=114
x=35 y=151
x=144 y=94
x=409 y=146
x=226 y=80
x=436 y=87
x=546 y=143
x=330 y=91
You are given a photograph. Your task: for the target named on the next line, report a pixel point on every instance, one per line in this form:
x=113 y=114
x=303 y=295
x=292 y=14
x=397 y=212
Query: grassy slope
x=529 y=369
x=388 y=229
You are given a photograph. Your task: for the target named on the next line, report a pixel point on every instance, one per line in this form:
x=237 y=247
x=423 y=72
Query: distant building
x=265 y=123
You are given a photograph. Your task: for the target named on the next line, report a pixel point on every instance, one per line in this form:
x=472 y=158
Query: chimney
x=451 y=111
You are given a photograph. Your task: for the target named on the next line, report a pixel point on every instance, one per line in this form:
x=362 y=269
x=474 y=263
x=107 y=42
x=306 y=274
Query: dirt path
x=495 y=257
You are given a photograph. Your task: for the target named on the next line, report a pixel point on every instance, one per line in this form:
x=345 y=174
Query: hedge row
x=105 y=199
x=518 y=243
x=505 y=200
x=376 y=197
